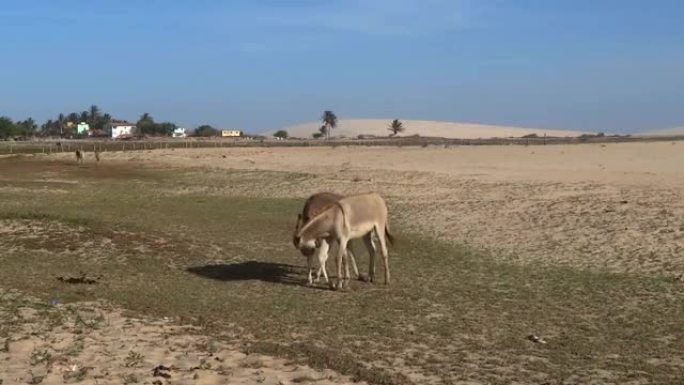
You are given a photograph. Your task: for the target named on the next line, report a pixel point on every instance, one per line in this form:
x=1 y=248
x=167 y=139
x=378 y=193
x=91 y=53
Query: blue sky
x=597 y=65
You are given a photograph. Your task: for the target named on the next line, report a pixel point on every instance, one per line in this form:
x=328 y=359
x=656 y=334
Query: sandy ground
x=94 y=343
x=616 y=207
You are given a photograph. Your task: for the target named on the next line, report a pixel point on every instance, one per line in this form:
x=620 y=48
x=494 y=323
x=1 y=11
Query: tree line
x=64 y=125
x=10 y=128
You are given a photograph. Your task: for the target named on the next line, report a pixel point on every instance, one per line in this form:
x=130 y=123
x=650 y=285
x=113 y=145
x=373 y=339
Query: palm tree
x=329 y=122
x=60 y=123
x=73 y=117
x=396 y=127
x=7 y=127
x=145 y=124
x=104 y=121
x=94 y=115
x=46 y=128
x=28 y=127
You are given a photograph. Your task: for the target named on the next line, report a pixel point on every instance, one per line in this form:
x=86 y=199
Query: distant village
x=126 y=130
x=95 y=124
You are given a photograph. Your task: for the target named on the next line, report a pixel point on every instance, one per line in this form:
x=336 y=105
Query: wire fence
x=48 y=146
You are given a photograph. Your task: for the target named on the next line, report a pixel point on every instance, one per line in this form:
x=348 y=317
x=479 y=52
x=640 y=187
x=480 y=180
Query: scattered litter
x=66 y=369
x=161 y=371
x=82 y=279
x=536 y=339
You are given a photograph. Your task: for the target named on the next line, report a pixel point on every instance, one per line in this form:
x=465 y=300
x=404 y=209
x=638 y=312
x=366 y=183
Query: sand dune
x=664 y=132
x=351 y=128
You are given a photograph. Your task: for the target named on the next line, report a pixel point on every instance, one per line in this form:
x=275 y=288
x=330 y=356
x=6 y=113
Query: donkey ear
x=318 y=243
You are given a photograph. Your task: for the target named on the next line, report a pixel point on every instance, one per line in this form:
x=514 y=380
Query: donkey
x=312 y=207
x=355 y=216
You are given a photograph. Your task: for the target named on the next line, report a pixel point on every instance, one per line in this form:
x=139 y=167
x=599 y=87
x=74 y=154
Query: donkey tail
x=389 y=236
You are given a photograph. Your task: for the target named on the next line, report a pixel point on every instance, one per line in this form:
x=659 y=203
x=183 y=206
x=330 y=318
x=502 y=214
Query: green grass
x=226 y=263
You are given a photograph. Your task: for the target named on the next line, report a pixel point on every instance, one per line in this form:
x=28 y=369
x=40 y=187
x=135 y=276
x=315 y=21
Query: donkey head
x=298 y=226
x=307 y=237
x=307 y=248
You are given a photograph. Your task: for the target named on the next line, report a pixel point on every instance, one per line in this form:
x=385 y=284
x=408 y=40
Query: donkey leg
x=350 y=258
x=322 y=259
x=368 y=240
x=345 y=266
x=385 y=255
x=341 y=255
x=325 y=273
x=350 y=253
x=309 y=262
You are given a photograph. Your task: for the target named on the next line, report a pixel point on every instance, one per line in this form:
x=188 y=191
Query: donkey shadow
x=252 y=271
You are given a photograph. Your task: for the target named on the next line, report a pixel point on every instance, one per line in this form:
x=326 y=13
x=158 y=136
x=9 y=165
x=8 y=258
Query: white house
x=122 y=129
x=82 y=128
x=180 y=133
x=231 y=133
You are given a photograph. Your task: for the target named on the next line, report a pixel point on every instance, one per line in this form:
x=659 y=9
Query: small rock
x=536 y=339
